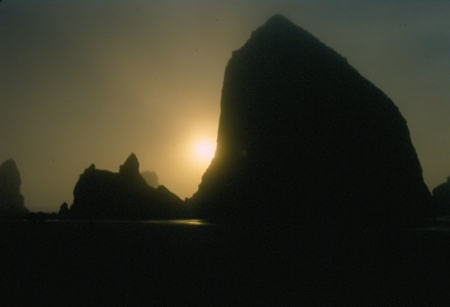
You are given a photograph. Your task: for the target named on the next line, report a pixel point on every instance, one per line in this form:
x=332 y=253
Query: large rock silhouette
x=11 y=200
x=303 y=138
x=102 y=194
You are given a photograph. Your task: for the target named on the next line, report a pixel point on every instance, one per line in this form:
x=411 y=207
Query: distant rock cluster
x=101 y=194
x=303 y=138
x=11 y=200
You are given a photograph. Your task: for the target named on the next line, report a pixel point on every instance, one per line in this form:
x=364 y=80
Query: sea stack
x=303 y=138
x=11 y=200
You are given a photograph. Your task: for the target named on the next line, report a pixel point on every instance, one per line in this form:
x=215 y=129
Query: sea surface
x=196 y=262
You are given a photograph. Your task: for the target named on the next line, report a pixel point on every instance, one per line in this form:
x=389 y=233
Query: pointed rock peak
x=277 y=24
x=131 y=165
x=279 y=20
x=280 y=35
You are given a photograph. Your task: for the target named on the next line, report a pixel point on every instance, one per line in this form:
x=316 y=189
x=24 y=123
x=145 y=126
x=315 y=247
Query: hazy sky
x=86 y=82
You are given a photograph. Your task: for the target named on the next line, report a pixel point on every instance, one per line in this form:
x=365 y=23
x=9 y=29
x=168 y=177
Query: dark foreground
x=80 y=263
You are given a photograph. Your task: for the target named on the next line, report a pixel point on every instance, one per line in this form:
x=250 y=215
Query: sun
x=204 y=150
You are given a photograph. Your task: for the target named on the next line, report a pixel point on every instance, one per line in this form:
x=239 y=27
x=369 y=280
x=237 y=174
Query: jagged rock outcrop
x=303 y=138
x=151 y=178
x=441 y=194
x=11 y=200
x=102 y=194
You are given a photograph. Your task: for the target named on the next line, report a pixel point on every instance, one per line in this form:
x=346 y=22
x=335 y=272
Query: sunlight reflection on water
x=191 y=222
x=194 y=222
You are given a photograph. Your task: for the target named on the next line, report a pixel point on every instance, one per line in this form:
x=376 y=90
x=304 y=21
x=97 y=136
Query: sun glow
x=204 y=150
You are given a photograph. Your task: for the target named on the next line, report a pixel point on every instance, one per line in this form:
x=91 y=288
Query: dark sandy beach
x=73 y=263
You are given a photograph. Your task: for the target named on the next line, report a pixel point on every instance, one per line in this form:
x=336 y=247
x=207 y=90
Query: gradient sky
x=86 y=82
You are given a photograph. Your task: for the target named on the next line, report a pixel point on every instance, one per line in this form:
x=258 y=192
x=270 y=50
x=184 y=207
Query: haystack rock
x=11 y=200
x=102 y=194
x=303 y=138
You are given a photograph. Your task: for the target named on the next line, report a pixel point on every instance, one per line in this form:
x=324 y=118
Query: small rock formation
x=441 y=194
x=64 y=210
x=303 y=138
x=11 y=201
x=151 y=178
x=101 y=194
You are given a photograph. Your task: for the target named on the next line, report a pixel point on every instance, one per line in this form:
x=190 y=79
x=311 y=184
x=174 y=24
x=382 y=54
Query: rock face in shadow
x=101 y=194
x=441 y=194
x=303 y=138
x=11 y=200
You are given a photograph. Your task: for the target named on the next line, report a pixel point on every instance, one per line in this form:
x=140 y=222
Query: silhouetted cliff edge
x=101 y=194
x=11 y=200
x=303 y=138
